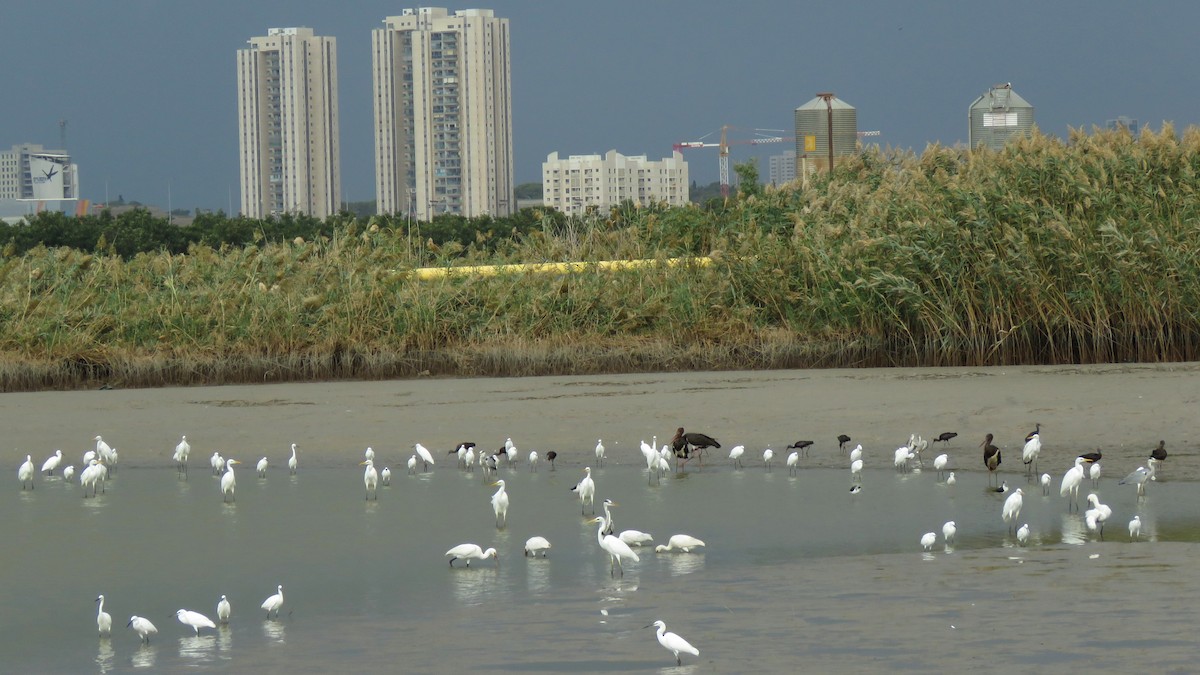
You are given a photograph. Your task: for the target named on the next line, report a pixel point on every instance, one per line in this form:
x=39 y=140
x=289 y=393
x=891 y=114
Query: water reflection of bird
x=991 y=456
x=672 y=642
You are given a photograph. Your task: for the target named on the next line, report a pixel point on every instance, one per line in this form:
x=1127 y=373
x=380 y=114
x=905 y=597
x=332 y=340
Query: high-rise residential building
x=288 y=124
x=783 y=168
x=574 y=184
x=443 y=113
x=30 y=172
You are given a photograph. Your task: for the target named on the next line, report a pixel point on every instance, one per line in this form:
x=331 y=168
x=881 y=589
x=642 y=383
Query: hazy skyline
x=148 y=89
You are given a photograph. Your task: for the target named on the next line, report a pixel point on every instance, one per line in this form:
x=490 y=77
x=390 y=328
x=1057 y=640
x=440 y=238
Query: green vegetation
x=1077 y=251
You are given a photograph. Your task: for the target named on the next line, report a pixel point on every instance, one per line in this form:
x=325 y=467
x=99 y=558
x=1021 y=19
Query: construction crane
x=723 y=155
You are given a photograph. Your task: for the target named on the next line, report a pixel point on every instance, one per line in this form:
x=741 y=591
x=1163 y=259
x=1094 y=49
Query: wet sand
x=1122 y=409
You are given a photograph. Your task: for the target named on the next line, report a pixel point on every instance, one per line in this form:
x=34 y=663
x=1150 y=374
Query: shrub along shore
x=1084 y=250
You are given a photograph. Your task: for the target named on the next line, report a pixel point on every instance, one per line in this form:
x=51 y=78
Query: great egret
x=940 y=462
x=991 y=457
x=1012 y=507
x=194 y=619
x=842 y=439
x=68 y=473
x=1070 y=483
x=292 y=460
x=535 y=545
x=469 y=551
x=143 y=627
x=928 y=540
x=228 y=481
x=385 y=476
x=223 y=610
x=680 y=542
x=370 y=479
x=735 y=455
x=103 y=620
x=768 y=455
x=52 y=463
x=618 y=551
x=599 y=452
x=586 y=489
x=25 y=473
x=424 y=454
x=1023 y=534
x=182 y=450
x=672 y=642
x=1094 y=474
x=500 y=504
x=1095 y=516
x=948 y=531
x=273 y=603
x=261 y=467
x=1029 y=454
x=635 y=537
x=793 y=459
x=1135 y=528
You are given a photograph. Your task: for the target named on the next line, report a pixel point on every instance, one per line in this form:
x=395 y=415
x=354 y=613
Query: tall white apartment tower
x=288 y=124
x=443 y=113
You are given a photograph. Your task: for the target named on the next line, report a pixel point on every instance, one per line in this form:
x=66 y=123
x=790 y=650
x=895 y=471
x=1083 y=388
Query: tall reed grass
x=1050 y=251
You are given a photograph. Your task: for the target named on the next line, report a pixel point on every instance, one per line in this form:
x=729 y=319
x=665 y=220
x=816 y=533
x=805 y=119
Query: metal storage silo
x=998 y=115
x=815 y=121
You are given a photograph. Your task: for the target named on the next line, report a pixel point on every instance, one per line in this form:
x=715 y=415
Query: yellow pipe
x=556 y=268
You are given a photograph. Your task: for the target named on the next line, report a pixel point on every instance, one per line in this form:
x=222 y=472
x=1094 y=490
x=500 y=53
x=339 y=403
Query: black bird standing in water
x=991 y=457
x=551 y=456
x=685 y=443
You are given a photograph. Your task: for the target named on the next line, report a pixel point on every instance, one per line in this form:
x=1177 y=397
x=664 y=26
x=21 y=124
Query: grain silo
x=998 y=115
x=826 y=128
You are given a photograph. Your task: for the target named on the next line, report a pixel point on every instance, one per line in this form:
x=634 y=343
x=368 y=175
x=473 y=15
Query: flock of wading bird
x=619 y=547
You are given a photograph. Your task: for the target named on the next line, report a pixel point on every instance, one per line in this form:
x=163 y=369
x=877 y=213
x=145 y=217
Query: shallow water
x=797 y=571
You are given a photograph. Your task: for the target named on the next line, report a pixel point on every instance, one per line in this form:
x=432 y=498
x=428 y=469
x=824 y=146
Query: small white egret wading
x=672 y=642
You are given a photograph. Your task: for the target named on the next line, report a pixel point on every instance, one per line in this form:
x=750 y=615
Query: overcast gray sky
x=149 y=87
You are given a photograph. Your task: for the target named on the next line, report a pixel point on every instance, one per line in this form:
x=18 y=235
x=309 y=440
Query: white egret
x=111 y=462
x=1045 y=484
x=142 y=626
x=586 y=489
x=617 y=550
x=1070 y=482
x=768 y=455
x=940 y=462
x=500 y=504
x=369 y=453
x=928 y=540
x=370 y=479
x=292 y=460
x=273 y=603
x=533 y=460
x=228 y=481
x=856 y=468
x=412 y=464
x=88 y=457
x=216 y=462
x=469 y=459
x=223 y=610
x=793 y=459
x=1139 y=476
x=508 y=444
x=385 y=476
x=182 y=450
x=535 y=545
x=103 y=620
x=856 y=453
x=514 y=457
x=635 y=537
x=1095 y=516
x=735 y=455
x=1094 y=473
x=1029 y=454
x=649 y=454
x=52 y=463
x=469 y=551
x=68 y=473
x=599 y=452
x=948 y=531
x=194 y=619
x=1023 y=534
x=25 y=473
x=1135 y=528
x=901 y=457
x=89 y=477
x=672 y=642
x=951 y=480
x=681 y=542
x=424 y=454
x=1012 y=507
x=261 y=467
x=104 y=451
